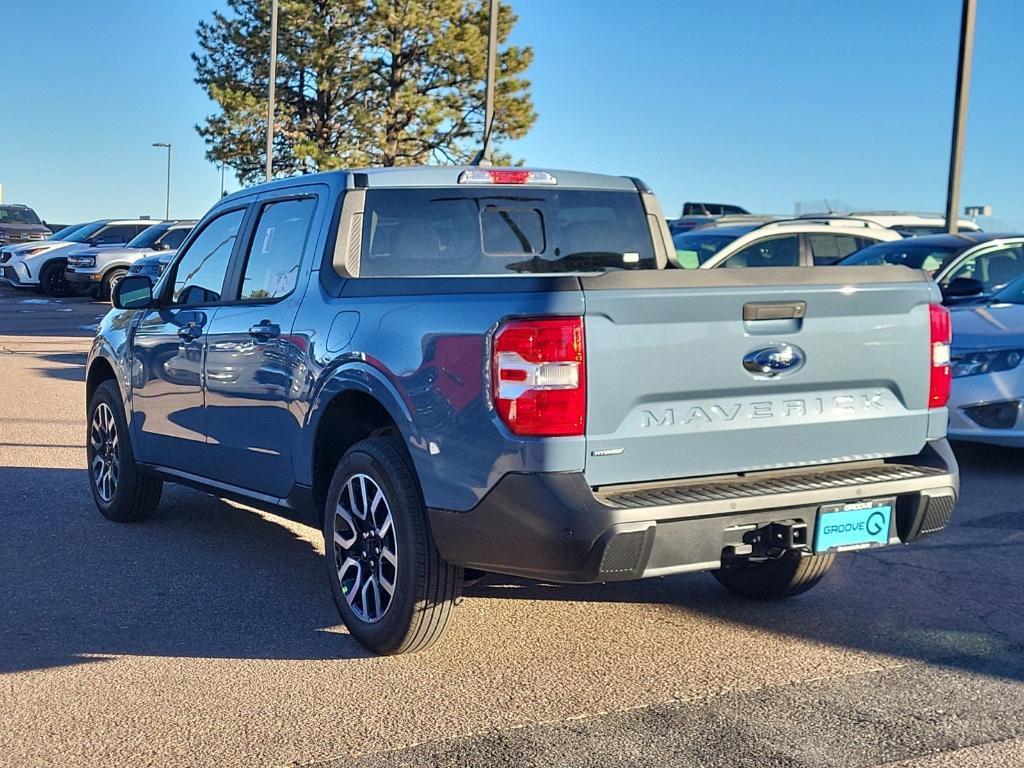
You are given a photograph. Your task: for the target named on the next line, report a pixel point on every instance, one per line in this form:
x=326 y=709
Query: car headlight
x=986 y=361
x=82 y=261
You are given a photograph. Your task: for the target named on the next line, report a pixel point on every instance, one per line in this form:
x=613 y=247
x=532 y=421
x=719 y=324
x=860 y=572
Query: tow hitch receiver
x=772 y=540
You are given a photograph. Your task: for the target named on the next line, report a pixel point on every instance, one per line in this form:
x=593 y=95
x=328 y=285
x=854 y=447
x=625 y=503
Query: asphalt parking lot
x=207 y=637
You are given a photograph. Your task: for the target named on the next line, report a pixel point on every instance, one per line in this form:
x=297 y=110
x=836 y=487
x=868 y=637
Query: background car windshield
x=82 y=234
x=64 y=234
x=425 y=232
x=930 y=258
x=11 y=215
x=695 y=248
x=147 y=237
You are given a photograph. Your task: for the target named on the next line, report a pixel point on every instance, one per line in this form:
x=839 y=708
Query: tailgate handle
x=775 y=310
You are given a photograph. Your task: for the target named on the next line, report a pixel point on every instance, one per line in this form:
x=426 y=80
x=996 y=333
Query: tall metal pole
x=167 y=146
x=963 y=87
x=273 y=79
x=492 y=57
x=167 y=198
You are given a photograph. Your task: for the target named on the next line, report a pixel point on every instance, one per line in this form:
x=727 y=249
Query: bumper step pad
x=741 y=487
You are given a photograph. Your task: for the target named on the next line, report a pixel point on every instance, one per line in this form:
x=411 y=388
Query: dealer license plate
x=842 y=527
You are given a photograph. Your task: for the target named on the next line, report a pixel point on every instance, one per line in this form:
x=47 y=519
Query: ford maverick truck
x=465 y=370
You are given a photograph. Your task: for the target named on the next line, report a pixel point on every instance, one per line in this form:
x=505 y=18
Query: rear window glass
x=425 y=232
x=510 y=231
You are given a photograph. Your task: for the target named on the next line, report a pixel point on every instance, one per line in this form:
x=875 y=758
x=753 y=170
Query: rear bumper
x=555 y=527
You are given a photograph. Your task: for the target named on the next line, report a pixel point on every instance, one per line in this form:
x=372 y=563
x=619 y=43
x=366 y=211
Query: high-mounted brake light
x=539 y=376
x=941 y=338
x=505 y=176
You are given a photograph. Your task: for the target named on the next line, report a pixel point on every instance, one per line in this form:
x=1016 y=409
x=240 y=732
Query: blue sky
x=762 y=104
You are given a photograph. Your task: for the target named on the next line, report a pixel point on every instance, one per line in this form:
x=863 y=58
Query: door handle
x=265 y=331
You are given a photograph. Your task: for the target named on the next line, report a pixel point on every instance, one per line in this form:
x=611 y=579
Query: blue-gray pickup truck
x=464 y=370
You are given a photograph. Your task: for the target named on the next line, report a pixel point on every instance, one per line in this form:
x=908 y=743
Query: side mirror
x=962 y=287
x=133 y=292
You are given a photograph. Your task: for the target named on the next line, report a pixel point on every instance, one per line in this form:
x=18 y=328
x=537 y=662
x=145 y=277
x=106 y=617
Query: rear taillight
x=505 y=176
x=941 y=337
x=539 y=376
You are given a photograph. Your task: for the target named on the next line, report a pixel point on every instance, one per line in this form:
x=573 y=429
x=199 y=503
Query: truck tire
x=790 y=575
x=393 y=590
x=110 y=281
x=52 y=282
x=122 y=492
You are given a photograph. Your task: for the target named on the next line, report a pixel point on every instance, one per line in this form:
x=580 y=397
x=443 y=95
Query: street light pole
x=963 y=87
x=167 y=211
x=273 y=79
x=492 y=56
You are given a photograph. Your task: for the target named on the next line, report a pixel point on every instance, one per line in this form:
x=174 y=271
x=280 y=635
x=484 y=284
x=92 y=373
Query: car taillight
x=505 y=176
x=539 y=376
x=941 y=337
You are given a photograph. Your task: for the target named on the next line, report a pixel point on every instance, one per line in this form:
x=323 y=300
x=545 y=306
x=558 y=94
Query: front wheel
x=789 y=575
x=122 y=492
x=52 y=281
x=393 y=590
x=110 y=282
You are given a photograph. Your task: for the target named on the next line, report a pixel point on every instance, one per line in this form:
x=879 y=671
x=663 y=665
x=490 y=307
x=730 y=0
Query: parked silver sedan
x=988 y=379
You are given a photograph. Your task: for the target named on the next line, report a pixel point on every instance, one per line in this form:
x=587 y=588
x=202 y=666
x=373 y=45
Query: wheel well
x=349 y=418
x=99 y=371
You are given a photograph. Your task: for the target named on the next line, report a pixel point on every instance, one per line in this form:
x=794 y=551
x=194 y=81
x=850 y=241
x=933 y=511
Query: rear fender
x=365 y=379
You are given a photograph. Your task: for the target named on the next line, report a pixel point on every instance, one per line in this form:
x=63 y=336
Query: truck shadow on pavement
x=955 y=600
x=204 y=579
x=208 y=580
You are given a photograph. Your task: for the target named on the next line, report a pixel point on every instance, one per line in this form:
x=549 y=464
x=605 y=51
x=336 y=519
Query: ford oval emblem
x=774 y=360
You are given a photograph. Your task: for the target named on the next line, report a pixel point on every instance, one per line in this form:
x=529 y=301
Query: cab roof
x=436 y=176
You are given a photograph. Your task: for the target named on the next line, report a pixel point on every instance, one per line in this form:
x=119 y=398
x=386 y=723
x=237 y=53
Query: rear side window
x=272 y=264
x=828 y=249
x=426 y=232
x=116 y=234
x=774 y=252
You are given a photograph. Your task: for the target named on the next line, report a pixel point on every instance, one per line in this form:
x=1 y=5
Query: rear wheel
x=52 y=282
x=392 y=589
x=789 y=575
x=122 y=492
x=110 y=282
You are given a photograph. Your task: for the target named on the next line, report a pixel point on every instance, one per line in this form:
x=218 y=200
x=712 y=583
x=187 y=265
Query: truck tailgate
x=676 y=362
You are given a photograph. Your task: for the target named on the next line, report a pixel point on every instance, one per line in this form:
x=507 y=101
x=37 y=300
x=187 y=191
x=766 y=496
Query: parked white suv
x=41 y=266
x=100 y=269
x=738 y=241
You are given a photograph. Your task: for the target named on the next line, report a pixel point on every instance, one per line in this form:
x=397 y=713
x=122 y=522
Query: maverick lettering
x=763 y=409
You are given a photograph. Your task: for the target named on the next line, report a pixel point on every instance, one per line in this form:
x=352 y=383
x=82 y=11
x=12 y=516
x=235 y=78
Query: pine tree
x=359 y=82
